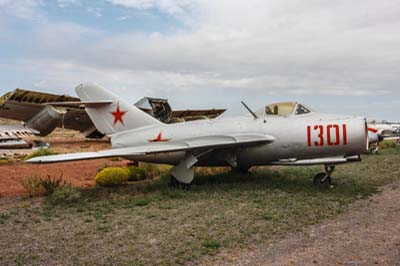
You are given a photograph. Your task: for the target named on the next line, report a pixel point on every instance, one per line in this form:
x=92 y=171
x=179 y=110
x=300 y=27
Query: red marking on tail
x=158 y=138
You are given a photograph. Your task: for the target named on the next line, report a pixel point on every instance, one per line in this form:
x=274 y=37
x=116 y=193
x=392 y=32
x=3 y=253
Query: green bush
x=65 y=194
x=136 y=173
x=111 y=176
x=40 y=152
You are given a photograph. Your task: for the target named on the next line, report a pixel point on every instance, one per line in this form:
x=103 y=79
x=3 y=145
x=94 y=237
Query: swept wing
x=192 y=144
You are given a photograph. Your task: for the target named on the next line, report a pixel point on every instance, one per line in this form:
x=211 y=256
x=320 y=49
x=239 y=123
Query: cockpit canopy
x=284 y=109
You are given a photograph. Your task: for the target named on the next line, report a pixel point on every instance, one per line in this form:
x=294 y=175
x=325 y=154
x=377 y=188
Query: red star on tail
x=118 y=114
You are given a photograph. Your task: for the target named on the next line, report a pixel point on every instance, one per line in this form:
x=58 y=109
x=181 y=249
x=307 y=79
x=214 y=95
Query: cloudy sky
x=336 y=56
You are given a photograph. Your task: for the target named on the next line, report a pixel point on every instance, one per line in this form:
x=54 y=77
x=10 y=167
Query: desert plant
x=112 y=176
x=40 y=152
x=136 y=173
x=36 y=185
x=32 y=185
x=50 y=184
x=65 y=194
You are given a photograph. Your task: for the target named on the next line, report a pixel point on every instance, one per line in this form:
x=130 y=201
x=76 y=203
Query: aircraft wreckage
x=42 y=112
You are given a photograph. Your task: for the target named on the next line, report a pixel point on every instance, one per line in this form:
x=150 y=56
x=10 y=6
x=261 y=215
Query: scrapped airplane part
x=46 y=120
x=294 y=135
x=44 y=112
x=18 y=137
x=160 y=109
x=31 y=107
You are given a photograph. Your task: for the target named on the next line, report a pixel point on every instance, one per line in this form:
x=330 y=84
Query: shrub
x=50 y=184
x=112 y=176
x=65 y=194
x=40 y=152
x=36 y=185
x=32 y=185
x=136 y=173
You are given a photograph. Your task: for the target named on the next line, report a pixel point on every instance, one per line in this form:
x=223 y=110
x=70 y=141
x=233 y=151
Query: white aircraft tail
x=109 y=113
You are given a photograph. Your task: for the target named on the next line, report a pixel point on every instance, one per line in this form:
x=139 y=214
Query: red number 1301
x=330 y=135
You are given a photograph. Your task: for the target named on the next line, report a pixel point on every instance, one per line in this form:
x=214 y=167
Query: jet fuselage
x=298 y=137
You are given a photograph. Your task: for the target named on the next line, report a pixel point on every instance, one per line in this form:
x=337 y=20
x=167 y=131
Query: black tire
x=318 y=180
x=174 y=183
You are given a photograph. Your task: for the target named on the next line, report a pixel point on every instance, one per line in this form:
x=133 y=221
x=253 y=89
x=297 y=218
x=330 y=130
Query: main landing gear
x=323 y=179
x=243 y=170
x=175 y=183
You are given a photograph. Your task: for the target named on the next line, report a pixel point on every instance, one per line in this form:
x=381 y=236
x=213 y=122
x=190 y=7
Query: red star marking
x=158 y=138
x=118 y=114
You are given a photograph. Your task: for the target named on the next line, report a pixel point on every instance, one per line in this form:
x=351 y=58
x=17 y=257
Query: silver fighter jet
x=279 y=134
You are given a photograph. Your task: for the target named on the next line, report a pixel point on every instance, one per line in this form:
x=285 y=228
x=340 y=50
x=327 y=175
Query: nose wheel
x=323 y=179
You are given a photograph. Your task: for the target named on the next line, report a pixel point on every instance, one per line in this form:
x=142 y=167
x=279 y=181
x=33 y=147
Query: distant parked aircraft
x=381 y=130
x=282 y=133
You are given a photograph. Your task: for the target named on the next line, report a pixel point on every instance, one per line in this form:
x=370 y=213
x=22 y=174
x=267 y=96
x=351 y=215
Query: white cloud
x=68 y=3
x=24 y=9
x=265 y=48
x=168 y=6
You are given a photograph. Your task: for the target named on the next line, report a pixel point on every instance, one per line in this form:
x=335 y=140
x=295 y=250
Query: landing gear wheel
x=373 y=151
x=322 y=180
x=174 y=183
x=241 y=170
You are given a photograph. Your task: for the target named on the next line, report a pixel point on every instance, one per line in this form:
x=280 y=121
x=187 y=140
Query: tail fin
x=115 y=115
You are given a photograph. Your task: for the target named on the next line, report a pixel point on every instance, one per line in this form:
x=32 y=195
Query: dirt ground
x=76 y=173
x=367 y=234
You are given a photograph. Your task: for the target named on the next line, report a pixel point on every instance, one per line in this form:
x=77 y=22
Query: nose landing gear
x=323 y=179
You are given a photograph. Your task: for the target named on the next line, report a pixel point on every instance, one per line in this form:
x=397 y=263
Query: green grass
x=148 y=223
x=5 y=160
x=40 y=152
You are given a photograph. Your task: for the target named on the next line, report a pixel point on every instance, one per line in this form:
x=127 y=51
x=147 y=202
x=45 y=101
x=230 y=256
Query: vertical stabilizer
x=115 y=116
